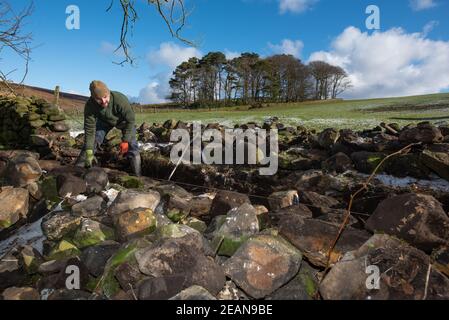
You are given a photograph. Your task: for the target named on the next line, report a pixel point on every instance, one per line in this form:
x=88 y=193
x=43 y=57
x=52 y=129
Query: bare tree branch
x=165 y=8
x=13 y=38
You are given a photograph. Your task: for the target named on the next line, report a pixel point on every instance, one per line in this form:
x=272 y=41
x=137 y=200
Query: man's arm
x=128 y=116
x=90 y=123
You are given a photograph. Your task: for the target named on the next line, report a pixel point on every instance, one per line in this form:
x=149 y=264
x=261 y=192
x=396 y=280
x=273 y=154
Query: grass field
x=353 y=114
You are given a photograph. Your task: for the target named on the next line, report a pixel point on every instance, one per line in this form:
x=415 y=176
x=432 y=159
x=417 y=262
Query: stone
x=436 y=158
x=14 y=205
x=407 y=165
x=283 y=199
x=31 y=259
x=441 y=258
x=12 y=272
x=59 y=126
x=314 y=238
x=160 y=288
x=402 y=270
x=131 y=199
x=304 y=286
x=66 y=294
x=135 y=223
x=300 y=209
x=366 y=162
x=424 y=132
x=317 y=203
x=262 y=265
x=128 y=275
x=59 y=224
x=200 y=205
x=96 y=180
x=196 y=224
x=327 y=138
x=338 y=163
x=174 y=257
x=225 y=201
x=63 y=250
x=91 y=207
x=24 y=293
x=96 y=257
x=108 y=284
x=68 y=184
x=239 y=224
x=91 y=233
x=22 y=170
x=194 y=293
x=175 y=208
x=416 y=218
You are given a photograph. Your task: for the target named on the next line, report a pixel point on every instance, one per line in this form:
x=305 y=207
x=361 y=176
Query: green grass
x=353 y=114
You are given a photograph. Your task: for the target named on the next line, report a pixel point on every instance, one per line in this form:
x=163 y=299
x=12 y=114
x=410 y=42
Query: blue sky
x=408 y=55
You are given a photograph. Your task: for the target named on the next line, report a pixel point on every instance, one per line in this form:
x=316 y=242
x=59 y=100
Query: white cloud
x=390 y=63
x=171 y=54
x=295 y=6
x=428 y=28
x=419 y=5
x=287 y=46
x=156 y=91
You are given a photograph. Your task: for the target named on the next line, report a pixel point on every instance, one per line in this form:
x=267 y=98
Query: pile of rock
x=139 y=238
x=33 y=123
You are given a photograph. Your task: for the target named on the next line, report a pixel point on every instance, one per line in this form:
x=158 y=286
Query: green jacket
x=118 y=111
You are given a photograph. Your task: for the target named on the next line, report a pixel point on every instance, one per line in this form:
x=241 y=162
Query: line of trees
x=249 y=79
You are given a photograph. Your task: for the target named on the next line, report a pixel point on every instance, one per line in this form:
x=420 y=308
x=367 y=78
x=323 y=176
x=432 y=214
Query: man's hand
x=124 y=147
x=89 y=158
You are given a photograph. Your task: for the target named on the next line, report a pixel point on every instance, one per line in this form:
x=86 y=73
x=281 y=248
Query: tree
x=13 y=37
x=340 y=81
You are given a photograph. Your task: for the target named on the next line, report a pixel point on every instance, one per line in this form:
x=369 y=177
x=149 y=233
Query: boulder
x=436 y=158
x=424 y=132
x=135 y=223
x=91 y=207
x=304 y=286
x=283 y=199
x=317 y=203
x=132 y=199
x=416 y=218
x=24 y=293
x=194 y=293
x=366 y=161
x=160 y=288
x=96 y=180
x=263 y=264
x=328 y=137
x=225 y=201
x=22 y=170
x=59 y=224
x=314 y=238
x=385 y=268
x=96 y=257
x=14 y=204
x=91 y=233
x=338 y=163
x=174 y=257
x=68 y=184
x=239 y=224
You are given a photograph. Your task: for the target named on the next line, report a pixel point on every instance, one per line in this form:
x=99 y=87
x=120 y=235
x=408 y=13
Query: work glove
x=124 y=147
x=89 y=158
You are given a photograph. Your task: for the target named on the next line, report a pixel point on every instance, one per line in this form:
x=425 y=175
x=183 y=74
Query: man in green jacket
x=103 y=111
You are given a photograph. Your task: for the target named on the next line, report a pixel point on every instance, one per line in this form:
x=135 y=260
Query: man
x=103 y=111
